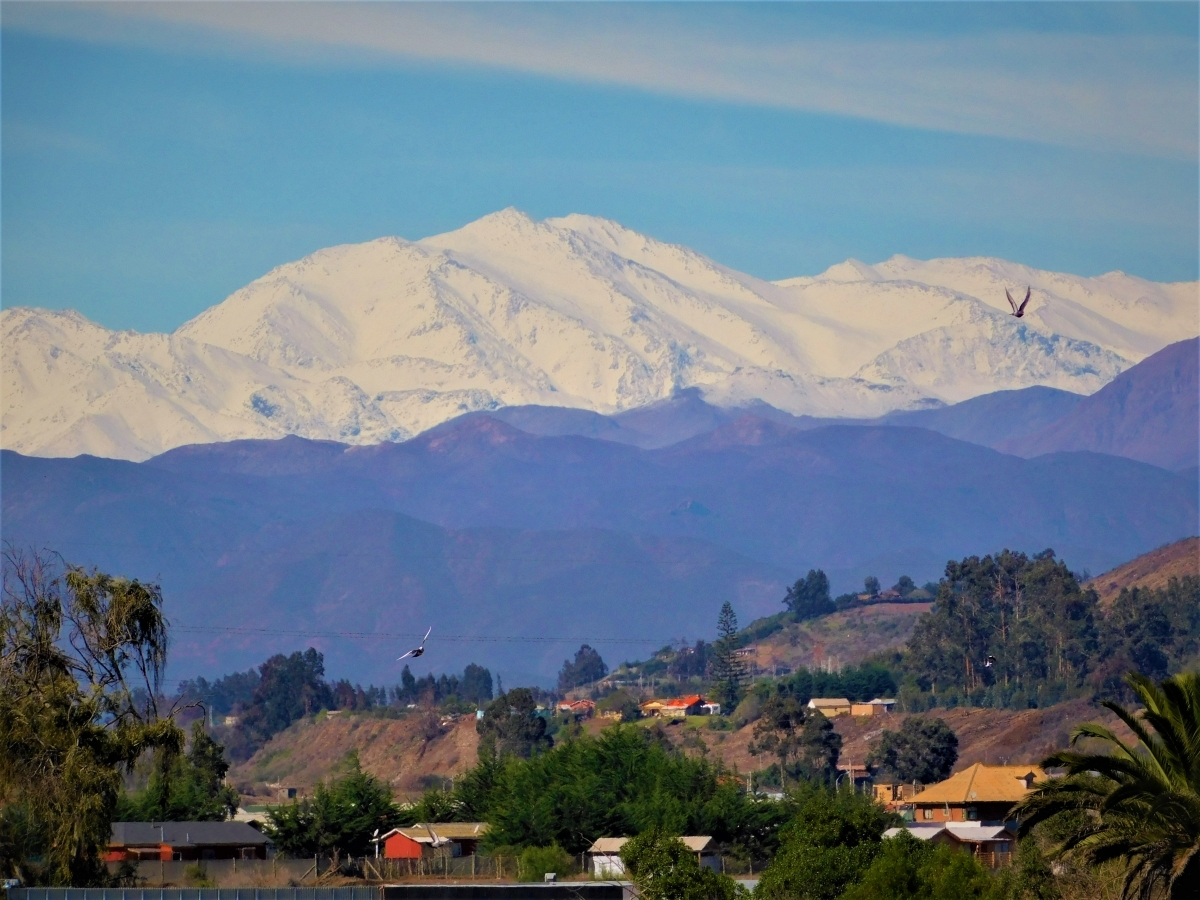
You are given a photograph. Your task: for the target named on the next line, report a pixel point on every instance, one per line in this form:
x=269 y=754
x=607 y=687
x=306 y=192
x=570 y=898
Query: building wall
x=400 y=847
x=608 y=865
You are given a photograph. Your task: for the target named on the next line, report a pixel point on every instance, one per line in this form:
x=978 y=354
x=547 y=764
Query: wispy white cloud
x=1126 y=93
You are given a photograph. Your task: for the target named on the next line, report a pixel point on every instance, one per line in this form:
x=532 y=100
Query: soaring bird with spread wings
x=421 y=649
x=1018 y=311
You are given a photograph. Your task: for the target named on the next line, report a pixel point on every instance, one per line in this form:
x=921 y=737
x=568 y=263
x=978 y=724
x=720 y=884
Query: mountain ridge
x=382 y=340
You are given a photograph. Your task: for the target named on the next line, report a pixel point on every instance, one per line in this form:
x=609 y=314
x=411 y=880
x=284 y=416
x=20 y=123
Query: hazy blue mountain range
x=1149 y=412
x=556 y=526
x=486 y=531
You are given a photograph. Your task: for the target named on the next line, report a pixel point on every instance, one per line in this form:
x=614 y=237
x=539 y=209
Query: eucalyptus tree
x=81 y=663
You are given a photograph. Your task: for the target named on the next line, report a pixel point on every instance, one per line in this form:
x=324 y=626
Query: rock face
x=1150 y=413
x=380 y=341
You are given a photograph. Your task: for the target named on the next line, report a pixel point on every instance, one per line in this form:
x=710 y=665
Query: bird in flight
x=1018 y=311
x=421 y=649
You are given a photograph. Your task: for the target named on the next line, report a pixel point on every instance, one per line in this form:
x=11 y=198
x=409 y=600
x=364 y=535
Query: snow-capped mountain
x=379 y=341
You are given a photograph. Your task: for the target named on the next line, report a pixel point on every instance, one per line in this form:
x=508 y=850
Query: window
x=927 y=813
x=177 y=855
x=972 y=813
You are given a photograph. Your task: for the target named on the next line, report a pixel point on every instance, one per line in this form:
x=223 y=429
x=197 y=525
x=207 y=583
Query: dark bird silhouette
x=1018 y=311
x=421 y=649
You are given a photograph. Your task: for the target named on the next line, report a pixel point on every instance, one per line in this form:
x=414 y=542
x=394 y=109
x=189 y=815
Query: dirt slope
x=394 y=750
x=1150 y=570
x=843 y=637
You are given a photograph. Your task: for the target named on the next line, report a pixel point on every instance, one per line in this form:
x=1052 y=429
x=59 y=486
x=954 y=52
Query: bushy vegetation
x=186 y=787
x=584 y=669
x=339 y=819
x=1015 y=631
x=922 y=751
x=663 y=868
x=73 y=646
x=830 y=842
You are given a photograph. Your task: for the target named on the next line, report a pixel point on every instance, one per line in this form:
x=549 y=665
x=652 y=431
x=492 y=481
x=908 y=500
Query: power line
x=453 y=638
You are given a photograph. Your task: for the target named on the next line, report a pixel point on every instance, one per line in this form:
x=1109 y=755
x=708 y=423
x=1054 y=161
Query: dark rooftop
x=185 y=834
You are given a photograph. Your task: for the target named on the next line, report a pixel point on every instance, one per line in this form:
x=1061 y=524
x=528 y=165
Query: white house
x=607 y=862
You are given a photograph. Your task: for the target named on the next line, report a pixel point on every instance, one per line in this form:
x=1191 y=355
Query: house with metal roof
x=978 y=793
x=830 y=707
x=422 y=841
x=606 y=859
x=168 y=841
x=992 y=845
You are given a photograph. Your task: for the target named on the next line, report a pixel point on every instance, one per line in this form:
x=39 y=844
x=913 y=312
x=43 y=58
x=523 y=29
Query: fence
x=484 y=867
x=231 y=872
x=290 y=893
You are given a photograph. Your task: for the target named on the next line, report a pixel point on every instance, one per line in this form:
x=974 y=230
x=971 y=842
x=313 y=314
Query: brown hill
x=396 y=750
x=843 y=638
x=1150 y=570
x=408 y=753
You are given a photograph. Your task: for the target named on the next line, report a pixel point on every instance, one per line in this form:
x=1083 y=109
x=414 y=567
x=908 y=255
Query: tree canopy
x=81 y=661
x=511 y=725
x=809 y=596
x=586 y=668
x=184 y=788
x=339 y=820
x=923 y=750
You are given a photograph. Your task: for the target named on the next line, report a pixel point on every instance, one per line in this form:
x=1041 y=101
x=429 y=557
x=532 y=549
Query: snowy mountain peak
x=384 y=339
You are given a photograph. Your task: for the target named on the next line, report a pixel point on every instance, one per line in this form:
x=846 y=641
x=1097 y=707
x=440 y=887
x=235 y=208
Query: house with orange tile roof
x=580 y=709
x=978 y=793
x=688 y=705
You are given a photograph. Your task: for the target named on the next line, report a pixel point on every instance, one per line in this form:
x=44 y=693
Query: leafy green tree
x=728 y=671
x=587 y=667
x=340 y=819
x=187 y=788
x=476 y=684
x=1006 y=630
x=511 y=725
x=625 y=781
x=535 y=862
x=820 y=746
x=830 y=843
x=923 y=750
x=904 y=586
x=81 y=661
x=809 y=596
x=871 y=586
x=1030 y=878
x=1141 y=804
x=663 y=868
x=910 y=869
x=289 y=688
x=778 y=731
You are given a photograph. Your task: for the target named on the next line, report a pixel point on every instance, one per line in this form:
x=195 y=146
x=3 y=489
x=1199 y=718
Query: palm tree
x=1140 y=804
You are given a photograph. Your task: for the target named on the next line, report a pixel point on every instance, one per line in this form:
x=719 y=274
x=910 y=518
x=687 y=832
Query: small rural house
x=978 y=793
x=580 y=709
x=893 y=794
x=166 y=841
x=452 y=839
x=992 y=845
x=678 y=707
x=830 y=707
x=607 y=862
x=651 y=707
x=872 y=707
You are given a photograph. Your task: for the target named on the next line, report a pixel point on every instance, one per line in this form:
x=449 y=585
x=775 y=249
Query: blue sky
x=158 y=157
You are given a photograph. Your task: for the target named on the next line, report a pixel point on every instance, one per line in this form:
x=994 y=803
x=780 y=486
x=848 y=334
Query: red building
x=434 y=839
